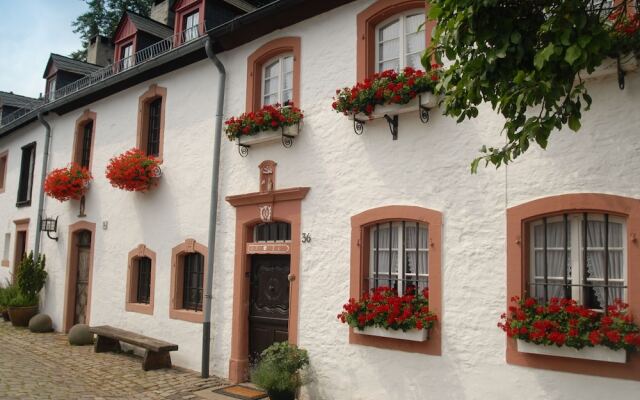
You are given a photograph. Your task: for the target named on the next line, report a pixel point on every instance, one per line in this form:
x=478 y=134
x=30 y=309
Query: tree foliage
x=102 y=18
x=527 y=59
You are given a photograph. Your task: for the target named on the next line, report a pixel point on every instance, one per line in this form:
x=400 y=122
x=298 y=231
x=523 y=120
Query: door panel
x=269 y=302
x=82 y=278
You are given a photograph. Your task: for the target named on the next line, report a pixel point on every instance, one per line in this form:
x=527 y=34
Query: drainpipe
x=45 y=160
x=213 y=210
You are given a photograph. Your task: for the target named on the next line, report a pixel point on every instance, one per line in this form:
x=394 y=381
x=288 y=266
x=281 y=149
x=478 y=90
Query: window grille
x=143 y=294
x=272 y=232
x=86 y=144
x=578 y=256
x=153 y=135
x=399 y=256
x=193 y=265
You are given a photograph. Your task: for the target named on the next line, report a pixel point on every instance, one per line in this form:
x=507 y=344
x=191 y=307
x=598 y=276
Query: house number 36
x=306 y=238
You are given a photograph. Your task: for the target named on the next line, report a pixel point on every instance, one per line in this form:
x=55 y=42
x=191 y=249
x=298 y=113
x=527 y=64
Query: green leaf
x=574 y=123
x=573 y=53
x=583 y=41
x=543 y=56
x=516 y=37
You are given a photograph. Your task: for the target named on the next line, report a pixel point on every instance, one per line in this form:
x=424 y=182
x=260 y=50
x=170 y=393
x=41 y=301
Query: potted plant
x=31 y=279
x=385 y=313
x=388 y=93
x=267 y=124
x=134 y=171
x=278 y=371
x=563 y=328
x=7 y=292
x=71 y=182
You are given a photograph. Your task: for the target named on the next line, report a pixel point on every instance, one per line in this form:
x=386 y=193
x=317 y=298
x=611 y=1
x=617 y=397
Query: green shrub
x=32 y=276
x=22 y=300
x=278 y=370
x=7 y=293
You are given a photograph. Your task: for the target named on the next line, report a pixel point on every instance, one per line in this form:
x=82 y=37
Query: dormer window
x=126 y=56
x=278 y=80
x=51 y=88
x=191 y=26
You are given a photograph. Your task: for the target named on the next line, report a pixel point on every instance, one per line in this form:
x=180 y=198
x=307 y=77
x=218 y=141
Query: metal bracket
x=621 y=75
x=424 y=111
x=287 y=140
x=243 y=149
x=393 y=125
x=358 y=126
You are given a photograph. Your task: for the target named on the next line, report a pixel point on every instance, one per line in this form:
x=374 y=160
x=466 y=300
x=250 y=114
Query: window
x=193 y=265
x=188 y=275
x=51 y=89
x=27 y=165
x=400 y=247
x=393 y=244
x=126 y=56
x=83 y=140
x=400 y=42
x=278 y=81
x=581 y=246
x=153 y=135
x=140 y=280
x=151 y=111
x=4 y=156
x=191 y=26
x=273 y=74
x=578 y=256
x=86 y=144
x=272 y=232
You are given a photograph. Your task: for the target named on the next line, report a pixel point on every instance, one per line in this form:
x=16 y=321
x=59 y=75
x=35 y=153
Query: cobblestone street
x=45 y=366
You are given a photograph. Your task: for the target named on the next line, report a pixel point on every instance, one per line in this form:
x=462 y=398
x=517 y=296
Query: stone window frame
x=86 y=117
x=154 y=92
x=360 y=225
x=131 y=304
x=175 y=307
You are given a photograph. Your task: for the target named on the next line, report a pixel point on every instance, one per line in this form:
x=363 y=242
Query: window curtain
x=596 y=259
x=555 y=260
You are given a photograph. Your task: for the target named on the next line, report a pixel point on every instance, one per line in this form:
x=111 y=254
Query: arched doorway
x=79 y=274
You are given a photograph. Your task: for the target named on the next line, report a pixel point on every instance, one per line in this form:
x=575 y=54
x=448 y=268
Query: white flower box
x=609 y=66
x=429 y=100
x=597 y=353
x=269 y=136
x=415 y=335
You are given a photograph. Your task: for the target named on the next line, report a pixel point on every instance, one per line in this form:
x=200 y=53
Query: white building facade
x=328 y=189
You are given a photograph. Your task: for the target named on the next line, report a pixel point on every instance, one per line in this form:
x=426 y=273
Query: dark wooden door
x=269 y=302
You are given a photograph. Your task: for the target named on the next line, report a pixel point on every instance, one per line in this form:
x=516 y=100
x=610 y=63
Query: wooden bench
x=156 y=353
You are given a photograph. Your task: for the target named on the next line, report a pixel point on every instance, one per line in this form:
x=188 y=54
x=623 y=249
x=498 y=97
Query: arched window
x=277 y=85
x=84 y=138
x=188 y=274
x=400 y=41
x=141 y=280
x=151 y=106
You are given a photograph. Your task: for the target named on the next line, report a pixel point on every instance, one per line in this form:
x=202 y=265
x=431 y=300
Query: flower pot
x=20 y=316
x=597 y=353
x=414 y=335
x=276 y=395
x=269 y=136
x=427 y=99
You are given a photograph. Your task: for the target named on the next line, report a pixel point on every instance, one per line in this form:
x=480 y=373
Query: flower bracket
x=423 y=114
x=621 y=74
x=286 y=139
x=393 y=125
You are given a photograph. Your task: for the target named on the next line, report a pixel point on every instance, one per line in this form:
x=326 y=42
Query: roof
x=70 y=65
x=15 y=100
x=148 y=25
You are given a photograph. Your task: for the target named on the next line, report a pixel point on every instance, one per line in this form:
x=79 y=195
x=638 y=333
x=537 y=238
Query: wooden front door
x=269 y=302
x=82 y=277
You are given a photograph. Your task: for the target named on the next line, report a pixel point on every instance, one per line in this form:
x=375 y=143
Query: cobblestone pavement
x=45 y=366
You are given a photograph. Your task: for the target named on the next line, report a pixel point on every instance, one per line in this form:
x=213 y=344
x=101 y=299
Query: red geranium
x=271 y=117
x=386 y=309
x=562 y=322
x=133 y=171
x=67 y=183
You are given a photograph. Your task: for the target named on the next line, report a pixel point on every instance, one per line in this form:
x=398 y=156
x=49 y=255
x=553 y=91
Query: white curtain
x=596 y=259
x=381 y=253
x=555 y=260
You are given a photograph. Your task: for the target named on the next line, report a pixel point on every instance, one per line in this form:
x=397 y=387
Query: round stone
x=79 y=335
x=40 y=323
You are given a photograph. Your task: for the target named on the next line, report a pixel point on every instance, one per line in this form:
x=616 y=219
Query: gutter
x=213 y=210
x=45 y=160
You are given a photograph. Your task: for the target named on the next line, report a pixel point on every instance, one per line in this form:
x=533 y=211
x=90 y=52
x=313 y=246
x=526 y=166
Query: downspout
x=213 y=210
x=45 y=160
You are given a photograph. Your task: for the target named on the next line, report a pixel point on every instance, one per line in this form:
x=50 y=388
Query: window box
x=414 y=335
x=597 y=353
x=269 y=136
x=425 y=100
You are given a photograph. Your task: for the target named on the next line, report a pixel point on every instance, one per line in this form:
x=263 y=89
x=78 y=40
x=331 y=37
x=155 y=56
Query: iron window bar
x=144 y=280
x=142 y=56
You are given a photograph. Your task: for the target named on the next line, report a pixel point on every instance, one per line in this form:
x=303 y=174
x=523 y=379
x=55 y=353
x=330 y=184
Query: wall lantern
x=50 y=226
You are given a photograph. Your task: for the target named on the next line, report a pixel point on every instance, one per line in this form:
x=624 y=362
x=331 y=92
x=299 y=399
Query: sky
x=29 y=31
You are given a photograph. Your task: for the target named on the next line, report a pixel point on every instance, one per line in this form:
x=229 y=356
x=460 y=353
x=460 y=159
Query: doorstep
x=245 y=391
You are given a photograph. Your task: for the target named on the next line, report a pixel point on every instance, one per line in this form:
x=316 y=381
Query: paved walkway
x=45 y=366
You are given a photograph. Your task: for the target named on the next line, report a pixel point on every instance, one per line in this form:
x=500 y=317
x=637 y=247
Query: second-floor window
x=400 y=41
x=191 y=26
x=277 y=85
x=51 y=89
x=126 y=56
x=27 y=165
x=153 y=135
x=85 y=153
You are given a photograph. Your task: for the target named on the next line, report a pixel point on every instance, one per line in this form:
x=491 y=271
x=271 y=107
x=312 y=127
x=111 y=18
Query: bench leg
x=104 y=344
x=156 y=360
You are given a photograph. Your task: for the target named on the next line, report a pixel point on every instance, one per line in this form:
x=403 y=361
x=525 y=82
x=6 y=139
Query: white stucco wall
x=427 y=166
